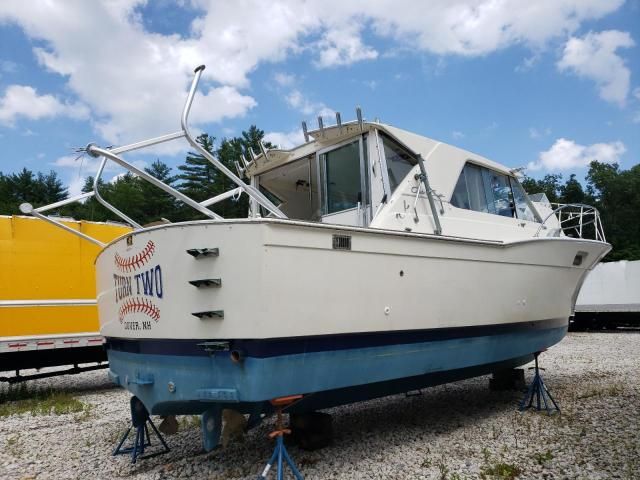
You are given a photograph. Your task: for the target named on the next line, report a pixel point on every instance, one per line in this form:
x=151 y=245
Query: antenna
x=359 y=115
x=320 y=124
x=305 y=132
x=339 y=121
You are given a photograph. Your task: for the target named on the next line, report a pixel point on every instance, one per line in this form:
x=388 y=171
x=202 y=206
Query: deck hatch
x=342 y=242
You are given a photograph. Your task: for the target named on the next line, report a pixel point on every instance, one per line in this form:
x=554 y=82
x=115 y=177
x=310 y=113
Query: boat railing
x=114 y=155
x=575 y=220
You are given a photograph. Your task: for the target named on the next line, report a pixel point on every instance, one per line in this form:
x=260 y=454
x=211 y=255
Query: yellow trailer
x=48 y=313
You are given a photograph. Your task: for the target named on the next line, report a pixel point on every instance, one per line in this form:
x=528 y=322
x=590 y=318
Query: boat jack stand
x=538 y=391
x=280 y=451
x=139 y=419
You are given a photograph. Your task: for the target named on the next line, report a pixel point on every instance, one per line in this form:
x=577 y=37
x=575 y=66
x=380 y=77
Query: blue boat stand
x=280 y=451
x=538 y=391
x=139 y=420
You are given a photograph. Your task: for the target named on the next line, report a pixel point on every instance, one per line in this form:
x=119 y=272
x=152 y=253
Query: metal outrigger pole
x=113 y=154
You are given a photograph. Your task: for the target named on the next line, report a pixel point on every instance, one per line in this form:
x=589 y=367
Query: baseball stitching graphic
x=139 y=305
x=128 y=264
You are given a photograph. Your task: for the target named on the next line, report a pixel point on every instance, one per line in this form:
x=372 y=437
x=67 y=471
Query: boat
x=373 y=261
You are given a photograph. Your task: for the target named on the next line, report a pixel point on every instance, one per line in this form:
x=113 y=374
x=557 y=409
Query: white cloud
x=75 y=185
x=7 y=66
x=636 y=94
x=296 y=99
x=594 y=56
x=534 y=133
x=567 y=155
x=284 y=79
x=457 y=134
x=286 y=140
x=371 y=84
x=24 y=101
x=342 y=45
x=134 y=80
x=480 y=27
x=528 y=63
x=86 y=165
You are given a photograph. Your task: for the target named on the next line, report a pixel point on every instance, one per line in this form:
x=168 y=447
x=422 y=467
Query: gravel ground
x=456 y=431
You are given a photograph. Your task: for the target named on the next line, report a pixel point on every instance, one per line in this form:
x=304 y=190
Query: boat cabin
x=367 y=174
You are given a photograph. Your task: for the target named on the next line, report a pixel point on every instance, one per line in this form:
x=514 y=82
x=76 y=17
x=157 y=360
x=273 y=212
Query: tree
x=158 y=204
x=198 y=175
x=617 y=197
x=25 y=186
x=200 y=180
x=571 y=191
x=549 y=185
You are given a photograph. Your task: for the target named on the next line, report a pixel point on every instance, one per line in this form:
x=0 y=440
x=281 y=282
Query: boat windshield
x=485 y=190
x=399 y=161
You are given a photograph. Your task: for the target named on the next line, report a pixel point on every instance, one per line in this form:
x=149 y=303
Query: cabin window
x=500 y=200
x=485 y=190
x=470 y=192
x=399 y=162
x=524 y=209
x=342 y=178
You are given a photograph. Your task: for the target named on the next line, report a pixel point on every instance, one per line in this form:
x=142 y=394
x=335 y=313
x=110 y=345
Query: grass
x=21 y=399
x=542 y=458
x=501 y=471
x=609 y=391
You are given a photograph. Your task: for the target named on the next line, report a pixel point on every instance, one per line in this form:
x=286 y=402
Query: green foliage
x=198 y=176
x=542 y=458
x=20 y=399
x=25 y=186
x=616 y=195
x=549 y=185
x=502 y=471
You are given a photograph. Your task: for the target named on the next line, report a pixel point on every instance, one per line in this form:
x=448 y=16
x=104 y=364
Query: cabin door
x=344 y=181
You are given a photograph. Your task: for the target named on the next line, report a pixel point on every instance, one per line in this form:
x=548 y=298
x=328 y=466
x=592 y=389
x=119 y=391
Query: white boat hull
x=283 y=279
x=293 y=315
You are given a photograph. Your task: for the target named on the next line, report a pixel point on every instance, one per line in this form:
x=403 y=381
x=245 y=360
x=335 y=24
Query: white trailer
x=610 y=296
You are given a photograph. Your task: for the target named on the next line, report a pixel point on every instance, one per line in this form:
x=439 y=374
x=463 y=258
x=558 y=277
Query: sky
x=549 y=85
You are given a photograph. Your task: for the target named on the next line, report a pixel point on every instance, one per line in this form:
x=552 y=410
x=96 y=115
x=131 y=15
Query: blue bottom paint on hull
x=193 y=384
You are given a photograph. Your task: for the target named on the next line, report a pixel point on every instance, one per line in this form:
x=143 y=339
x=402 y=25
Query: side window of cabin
x=342 y=181
x=485 y=190
x=500 y=200
x=399 y=162
x=470 y=192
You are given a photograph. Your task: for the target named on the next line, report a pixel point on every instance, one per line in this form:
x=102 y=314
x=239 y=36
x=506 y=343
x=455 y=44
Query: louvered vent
x=342 y=242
